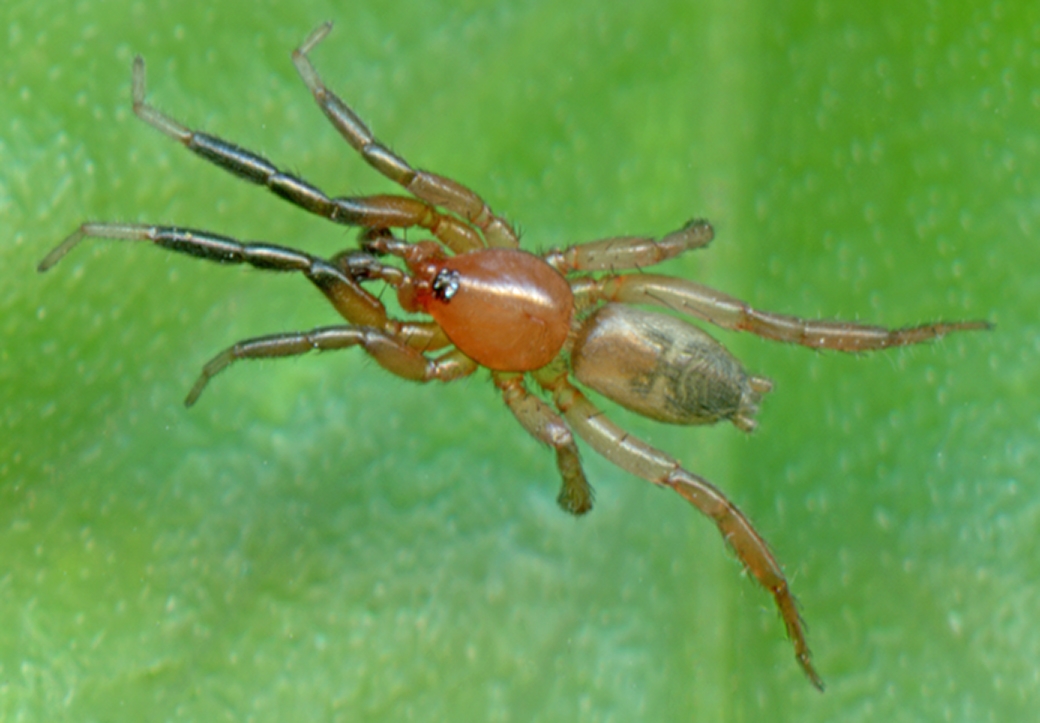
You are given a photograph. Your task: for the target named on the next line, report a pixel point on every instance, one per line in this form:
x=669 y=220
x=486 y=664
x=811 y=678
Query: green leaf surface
x=317 y=540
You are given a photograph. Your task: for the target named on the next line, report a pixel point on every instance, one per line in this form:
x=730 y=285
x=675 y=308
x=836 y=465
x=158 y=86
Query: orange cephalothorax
x=506 y=309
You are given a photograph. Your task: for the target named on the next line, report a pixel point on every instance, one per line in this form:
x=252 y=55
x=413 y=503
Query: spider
x=564 y=315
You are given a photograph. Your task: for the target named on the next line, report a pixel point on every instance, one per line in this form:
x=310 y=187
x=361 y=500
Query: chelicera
x=553 y=319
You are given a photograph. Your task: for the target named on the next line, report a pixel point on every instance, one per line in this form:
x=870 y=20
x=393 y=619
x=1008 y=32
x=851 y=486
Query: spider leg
x=380 y=211
x=732 y=313
x=642 y=460
x=389 y=352
x=354 y=303
x=630 y=252
x=431 y=188
x=542 y=423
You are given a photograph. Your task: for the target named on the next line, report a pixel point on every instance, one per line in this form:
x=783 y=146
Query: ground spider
x=524 y=317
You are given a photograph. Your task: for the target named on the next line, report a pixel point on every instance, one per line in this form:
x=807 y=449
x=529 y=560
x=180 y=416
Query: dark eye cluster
x=445 y=284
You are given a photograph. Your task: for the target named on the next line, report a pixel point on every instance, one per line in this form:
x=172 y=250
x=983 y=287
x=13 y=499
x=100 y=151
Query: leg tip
x=61 y=250
x=315 y=37
x=138 y=81
x=810 y=672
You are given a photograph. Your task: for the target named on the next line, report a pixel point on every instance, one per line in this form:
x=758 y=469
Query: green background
x=319 y=541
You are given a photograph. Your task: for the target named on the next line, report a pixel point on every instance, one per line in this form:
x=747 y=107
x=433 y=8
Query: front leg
x=431 y=188
x=338 y=280
x=372 y=212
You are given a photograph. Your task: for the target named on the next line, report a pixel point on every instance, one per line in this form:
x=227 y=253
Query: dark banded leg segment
x=346 y=294
x=383 y=211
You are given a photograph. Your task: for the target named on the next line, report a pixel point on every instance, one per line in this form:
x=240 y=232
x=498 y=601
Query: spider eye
x=445 y=284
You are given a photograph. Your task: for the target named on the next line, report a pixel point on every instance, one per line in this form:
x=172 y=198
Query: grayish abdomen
x=664 y=368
